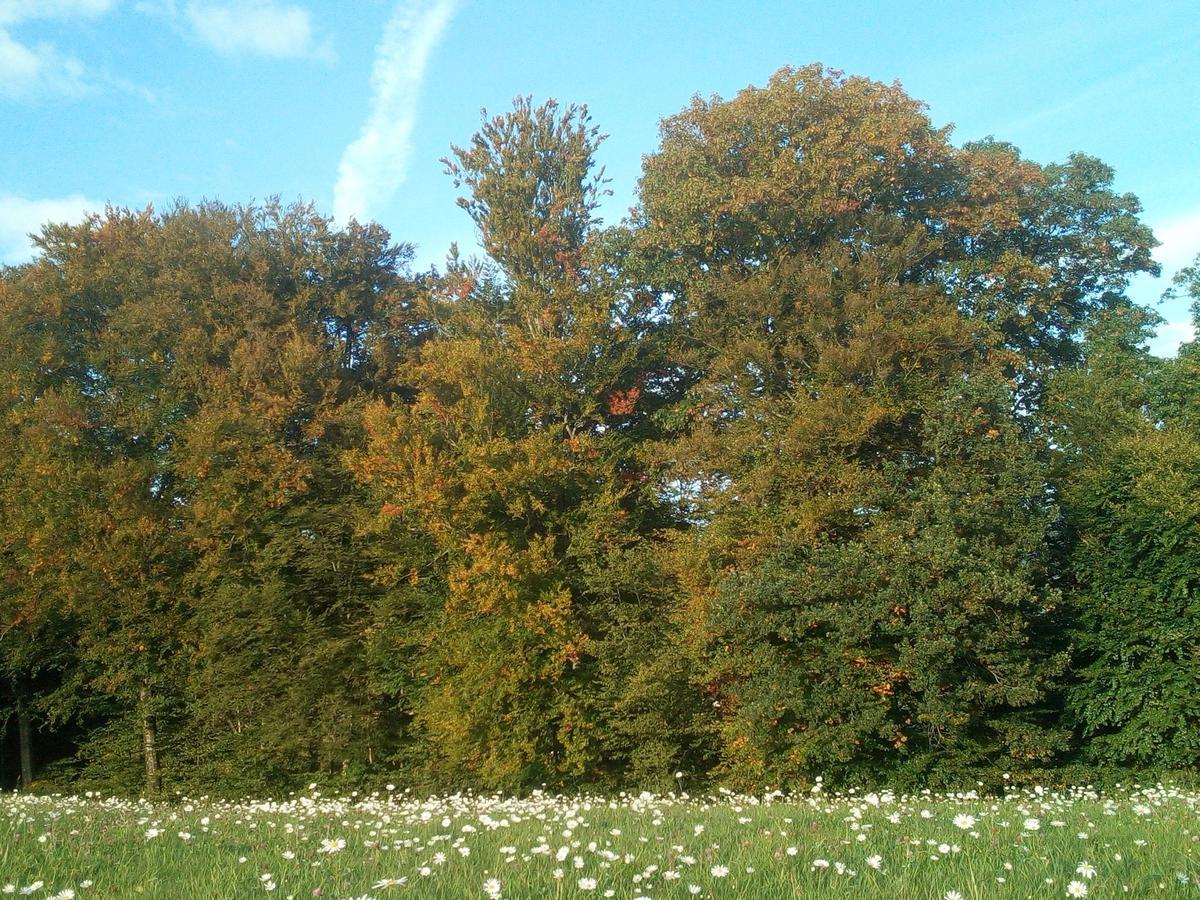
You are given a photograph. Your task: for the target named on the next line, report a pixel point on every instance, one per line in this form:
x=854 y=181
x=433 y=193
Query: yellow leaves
x=571 y=652
x=546 y=615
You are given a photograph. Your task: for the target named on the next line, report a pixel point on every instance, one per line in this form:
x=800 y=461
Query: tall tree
x=1129 y=478
x=848 y=437
x=201 y=371
x=518 y=457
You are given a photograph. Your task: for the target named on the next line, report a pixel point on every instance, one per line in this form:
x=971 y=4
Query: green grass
x=1141 y=843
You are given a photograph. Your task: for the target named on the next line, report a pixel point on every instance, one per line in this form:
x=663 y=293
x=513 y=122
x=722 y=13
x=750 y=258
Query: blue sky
x=351 y=104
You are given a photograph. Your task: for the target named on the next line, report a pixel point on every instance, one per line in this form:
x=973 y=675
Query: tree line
x=842 y=455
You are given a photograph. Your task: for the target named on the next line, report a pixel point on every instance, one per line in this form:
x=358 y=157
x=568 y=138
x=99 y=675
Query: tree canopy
x=840 y=456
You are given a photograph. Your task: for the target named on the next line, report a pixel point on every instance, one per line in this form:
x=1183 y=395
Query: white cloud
x=1180 y=246
x=1179 y=238
x=13 y=11
x=20 y=217
x=1180 y=242
x=1169 y=336
x=373 y=167
x=27 y=72
x=260 y=27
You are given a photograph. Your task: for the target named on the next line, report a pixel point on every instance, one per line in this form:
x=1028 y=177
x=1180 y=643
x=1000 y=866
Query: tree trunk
x=25 y=741
x=149 y=745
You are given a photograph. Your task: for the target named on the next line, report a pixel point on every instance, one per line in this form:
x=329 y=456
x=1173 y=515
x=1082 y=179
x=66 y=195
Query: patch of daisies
x=632 y=845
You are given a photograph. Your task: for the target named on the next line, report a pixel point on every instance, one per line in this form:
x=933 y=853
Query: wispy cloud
x=259 y=27
x=1179 y=245
x=1169 y=336
x=21 y=217
x=1179 y=239
x=31 y=71
x=373 y=167
x=14 y=11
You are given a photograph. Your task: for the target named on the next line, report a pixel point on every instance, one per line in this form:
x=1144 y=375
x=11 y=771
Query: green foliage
x=840 y=457
x=911 y=645
x=1130 y=479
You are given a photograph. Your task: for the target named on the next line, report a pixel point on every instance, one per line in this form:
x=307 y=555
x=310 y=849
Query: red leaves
x=622 y=403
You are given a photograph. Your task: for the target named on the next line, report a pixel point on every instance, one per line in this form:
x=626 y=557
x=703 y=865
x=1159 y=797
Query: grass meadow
x=1139 y=841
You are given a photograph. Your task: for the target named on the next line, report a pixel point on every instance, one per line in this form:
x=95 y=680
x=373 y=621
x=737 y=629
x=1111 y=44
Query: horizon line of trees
x=843 y=455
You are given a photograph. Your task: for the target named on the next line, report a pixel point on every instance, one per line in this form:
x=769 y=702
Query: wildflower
x=389 y=882
x=64 y=894
x=1077 y=889
x=32 y=888
x=875 y=862
x=719 y=871
x=694 y=889
x=491 y=887
x=820 y=864
x=952 y=895
x=587 y=884
x=1032 y=824
x=1086 y=869
x=963 y=821
x=331 y=846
